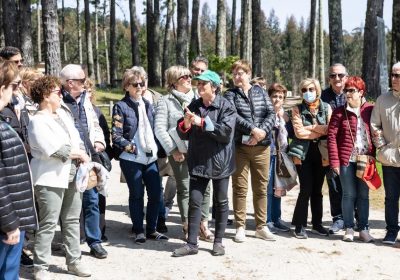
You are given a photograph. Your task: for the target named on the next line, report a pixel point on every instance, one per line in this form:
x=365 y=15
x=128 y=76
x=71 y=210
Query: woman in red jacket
x=349 y=129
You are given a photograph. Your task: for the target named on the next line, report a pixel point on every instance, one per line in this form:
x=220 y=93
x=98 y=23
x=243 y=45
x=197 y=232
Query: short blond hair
x=311 y=81
x=131 y=76
x=241 y=64
x=173 y=73
x=28 y=74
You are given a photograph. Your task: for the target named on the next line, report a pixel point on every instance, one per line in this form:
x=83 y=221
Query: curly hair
x=42 y=88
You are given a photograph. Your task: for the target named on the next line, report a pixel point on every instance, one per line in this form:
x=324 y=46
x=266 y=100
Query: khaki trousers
x=256 y=160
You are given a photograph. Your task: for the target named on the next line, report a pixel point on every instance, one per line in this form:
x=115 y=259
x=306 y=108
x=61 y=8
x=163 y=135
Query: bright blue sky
x=353 y=11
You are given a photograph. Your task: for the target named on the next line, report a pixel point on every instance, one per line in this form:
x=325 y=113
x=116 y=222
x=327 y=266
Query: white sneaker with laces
x=240 y=235
x=265 y=234
x=349 y=235
x=365 y=236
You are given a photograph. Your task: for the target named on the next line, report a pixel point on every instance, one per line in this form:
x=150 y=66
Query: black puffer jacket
x=254 y=110
x=211 y=153
x=17 y=209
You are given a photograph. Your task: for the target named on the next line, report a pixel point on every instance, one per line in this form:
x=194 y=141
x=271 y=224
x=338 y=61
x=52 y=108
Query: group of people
x=198 y=136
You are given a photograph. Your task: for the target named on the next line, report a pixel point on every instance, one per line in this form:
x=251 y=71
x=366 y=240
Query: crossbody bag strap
x=351 y=133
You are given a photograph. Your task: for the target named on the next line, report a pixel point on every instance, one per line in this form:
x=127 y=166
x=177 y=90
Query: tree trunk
x=64 y=42
x=153 y=42
x=395 y=54
x=233 y=29
x=321 y=47
x=165 y=57
x=220 y=48
x=335 y=31
x=78 y=26
x=105 y=43
x=134 y=33
x=312 y=51
x=96 y=47
x=256 y=44
x=89 y=46
x=51 y=37
x=113 y=45
x=10 y=23
x=39 y=33
x=245 y=31
x=370 y=67
x=26 y=32
x=182 y=41
x=195 y=41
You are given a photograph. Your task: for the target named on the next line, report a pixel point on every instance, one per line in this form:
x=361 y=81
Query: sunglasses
x=21 y=61
x=82 y=81
x=395 y=75
x=350 y=90
x=136 y=85
x=185 y=77
x=333 y=75
x=202 y=83
x=304 y=90
x=197 y=69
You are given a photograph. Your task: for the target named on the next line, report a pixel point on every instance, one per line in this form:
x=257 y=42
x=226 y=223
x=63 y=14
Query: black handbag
x=280 y=168
x=104 y=160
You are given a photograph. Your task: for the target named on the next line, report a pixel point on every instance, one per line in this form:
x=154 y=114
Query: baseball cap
x=209 y=76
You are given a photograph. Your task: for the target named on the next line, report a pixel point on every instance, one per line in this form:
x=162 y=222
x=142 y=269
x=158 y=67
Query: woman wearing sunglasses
x=132 y=133
x=349 y=135
x=310 y=123
x=169 y=110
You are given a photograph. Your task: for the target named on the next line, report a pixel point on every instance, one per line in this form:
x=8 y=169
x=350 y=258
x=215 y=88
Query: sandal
x=206 y=234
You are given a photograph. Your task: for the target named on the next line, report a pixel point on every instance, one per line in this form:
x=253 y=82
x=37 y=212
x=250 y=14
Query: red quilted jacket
x=340 y=144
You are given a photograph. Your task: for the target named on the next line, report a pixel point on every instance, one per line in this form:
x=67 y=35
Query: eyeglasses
x=136 y=85
x=350 y=90
x=185 y=77
x=56 y=91
x=304 y=90
x=333 y=75
x=395 y=76
x=15 y=85
x=278 y=97
x=82 y=81
x=197 y=69
x=240 y=74
x=20 y=61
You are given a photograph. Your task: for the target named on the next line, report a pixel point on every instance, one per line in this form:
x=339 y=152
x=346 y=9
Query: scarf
x=145 y=132
x=184 y=98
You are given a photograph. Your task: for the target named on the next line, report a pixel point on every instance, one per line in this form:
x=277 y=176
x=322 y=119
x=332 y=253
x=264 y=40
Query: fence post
x=111 y=107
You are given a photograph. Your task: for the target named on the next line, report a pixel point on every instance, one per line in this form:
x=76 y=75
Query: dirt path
x=286 y=258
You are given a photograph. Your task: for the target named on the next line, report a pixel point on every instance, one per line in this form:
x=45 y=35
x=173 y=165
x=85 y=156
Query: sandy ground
x=286 y=258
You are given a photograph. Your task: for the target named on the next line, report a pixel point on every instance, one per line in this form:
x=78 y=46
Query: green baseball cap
x=209 y=76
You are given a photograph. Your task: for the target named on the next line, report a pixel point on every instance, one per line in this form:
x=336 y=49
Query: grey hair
x=70 y=72
x=396 y=65
x=141 y=70
x=200 y=59
x=338 y=65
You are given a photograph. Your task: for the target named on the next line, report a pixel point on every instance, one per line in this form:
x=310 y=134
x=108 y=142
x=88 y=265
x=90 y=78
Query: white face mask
x=310 y=96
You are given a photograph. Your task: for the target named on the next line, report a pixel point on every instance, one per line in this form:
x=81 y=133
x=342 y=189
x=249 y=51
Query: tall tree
x=195 y=40
x=256 y=44
x=108 y=76
x=335 y=31
x=233 y=28
x=113 y=45
x=78 y=26
x=26 y=32
x=1 y=26
x=313 y=39
x=134 y=33
x=165 y=56
x=153 y=42
x=51 y=37
x=39 y=32
x=370 y=67
x=182 y=36
x=220 y=48
x=63 y=40
x=246 y=31
x=88 y=37
x=96 y=42
x=395 y=54
x=321 y=47
x=10 y=23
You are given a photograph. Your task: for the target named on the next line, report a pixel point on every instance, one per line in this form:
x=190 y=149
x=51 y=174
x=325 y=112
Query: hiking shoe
x=300 y=232
x=79 y=269
x=156 y=236
x=161 y=227
x=140 y=239
x=349 y=235
x=281 y=226
x=390 y=238
x=240 y=235
x=320 y=230
x=272 y=228
x=98 y=251
x=265 y=234
x=336 y=226
x=218 y=249
x=26 y=260
x=365 y=236
x=186 y=250
x=39 y=273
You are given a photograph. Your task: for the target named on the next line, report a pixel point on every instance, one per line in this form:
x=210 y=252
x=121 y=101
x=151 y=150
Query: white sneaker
x=40 y=273
x=265 y=234
x=79 y=269
x=349 y=235
x=240 y=235
x=365 y=236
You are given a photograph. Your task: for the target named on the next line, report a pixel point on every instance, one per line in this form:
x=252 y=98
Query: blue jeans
x=273 y=203
x=10 y=257
x=354 y=191
x=136 y=174
x=91 y=214
x=391 y=180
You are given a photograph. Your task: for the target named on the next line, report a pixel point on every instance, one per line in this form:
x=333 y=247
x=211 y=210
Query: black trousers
x=311 y=174
x=197 y=187
x=335 y=197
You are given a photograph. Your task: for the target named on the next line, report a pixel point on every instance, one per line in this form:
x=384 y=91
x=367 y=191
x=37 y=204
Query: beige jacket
x=385 y=128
